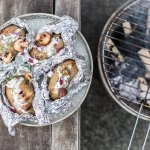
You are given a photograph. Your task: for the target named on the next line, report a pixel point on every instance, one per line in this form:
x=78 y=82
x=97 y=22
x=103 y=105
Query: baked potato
x=62 y=76
x=11 y=29
x=20 y=95
x=13 y=46
x=49 y=44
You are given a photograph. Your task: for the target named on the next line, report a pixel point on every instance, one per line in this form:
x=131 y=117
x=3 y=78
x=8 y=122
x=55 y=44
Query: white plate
x=35 y=21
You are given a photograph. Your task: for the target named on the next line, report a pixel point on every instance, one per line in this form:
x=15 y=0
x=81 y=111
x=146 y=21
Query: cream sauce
x=63 y=81
x=18 y=100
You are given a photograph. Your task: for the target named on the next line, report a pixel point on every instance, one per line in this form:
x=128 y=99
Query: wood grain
x=27 y=138
x=66 y=134
x=68 y=7
x=13 y=8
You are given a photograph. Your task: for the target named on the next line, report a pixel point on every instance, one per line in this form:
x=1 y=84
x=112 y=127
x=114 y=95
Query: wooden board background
x=64 y=135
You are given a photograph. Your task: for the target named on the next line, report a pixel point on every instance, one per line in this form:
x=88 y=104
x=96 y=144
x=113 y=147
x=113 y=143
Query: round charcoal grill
x=124 y=59
x=119 y=55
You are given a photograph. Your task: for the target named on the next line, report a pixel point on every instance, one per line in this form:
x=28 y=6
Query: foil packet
x=9 y=116
x=66 y=27
x=55 y=108
x=29 y=38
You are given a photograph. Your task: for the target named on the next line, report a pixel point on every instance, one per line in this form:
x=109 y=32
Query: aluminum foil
x=45 y=109
x=9 y=117
x=53 y=109
x=29 y=37
x=66 y=26
x=22 y=24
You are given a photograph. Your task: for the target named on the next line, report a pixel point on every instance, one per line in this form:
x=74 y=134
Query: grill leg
x=146 y=137
x=137 y=119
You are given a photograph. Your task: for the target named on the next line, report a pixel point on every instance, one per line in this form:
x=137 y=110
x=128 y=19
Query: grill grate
x=124 y=56
x=136 y=14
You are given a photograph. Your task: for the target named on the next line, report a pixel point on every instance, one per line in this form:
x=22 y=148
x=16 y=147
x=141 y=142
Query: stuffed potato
x=20 y=94
x=12 y=42
x=47 y=46
x=62 y=76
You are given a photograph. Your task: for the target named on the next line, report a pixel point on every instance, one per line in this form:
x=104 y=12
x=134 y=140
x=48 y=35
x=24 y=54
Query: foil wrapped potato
x=20 y=94
x=12 y=29
x=12 y=41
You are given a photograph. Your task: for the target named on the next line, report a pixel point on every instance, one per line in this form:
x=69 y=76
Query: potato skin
x=58 y=93
x=11 y=28
x=26 y=88
x=39 y=55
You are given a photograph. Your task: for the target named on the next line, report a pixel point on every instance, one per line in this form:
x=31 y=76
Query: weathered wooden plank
x=12 y=8
x=27 y=138
x=66 y=134
x=68 y=7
